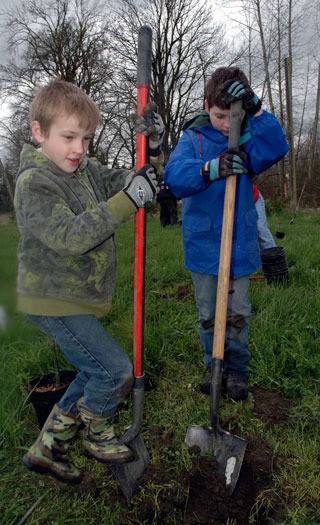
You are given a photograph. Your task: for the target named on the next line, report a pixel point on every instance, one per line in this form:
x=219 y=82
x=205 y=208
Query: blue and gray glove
x=229 y=163
x=238 y=91
x=143 y=186
x=150 y=124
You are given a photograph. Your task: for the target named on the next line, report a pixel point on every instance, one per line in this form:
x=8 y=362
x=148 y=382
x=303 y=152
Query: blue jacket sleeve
x=267 y=144
x=182 y=172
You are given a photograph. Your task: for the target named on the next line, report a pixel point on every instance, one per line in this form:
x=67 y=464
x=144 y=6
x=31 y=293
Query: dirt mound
x=209 y=499
x=198 y=496
x=271 y=407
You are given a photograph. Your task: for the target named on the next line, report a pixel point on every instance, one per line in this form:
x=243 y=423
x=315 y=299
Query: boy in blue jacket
x=196 y=173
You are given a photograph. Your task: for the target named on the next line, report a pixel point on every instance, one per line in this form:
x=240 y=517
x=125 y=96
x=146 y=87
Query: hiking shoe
x=100 y=441
x=206 y=382
x=48 y=453
x=236 y=387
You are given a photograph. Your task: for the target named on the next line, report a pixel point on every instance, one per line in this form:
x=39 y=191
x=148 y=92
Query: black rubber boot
x=236 y=387
x=206 y=382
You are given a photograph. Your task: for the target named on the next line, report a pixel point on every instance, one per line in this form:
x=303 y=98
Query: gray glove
x=238 y=91
x=143 y=186
x=231 y=162
x=150 y=124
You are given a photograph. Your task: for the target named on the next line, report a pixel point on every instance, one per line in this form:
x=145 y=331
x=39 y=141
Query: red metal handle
x=143 y=88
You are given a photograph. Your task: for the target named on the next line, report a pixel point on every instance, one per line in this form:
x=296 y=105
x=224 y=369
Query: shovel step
x=200 y=437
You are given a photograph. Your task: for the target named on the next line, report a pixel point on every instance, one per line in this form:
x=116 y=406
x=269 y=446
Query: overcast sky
x=228 y=10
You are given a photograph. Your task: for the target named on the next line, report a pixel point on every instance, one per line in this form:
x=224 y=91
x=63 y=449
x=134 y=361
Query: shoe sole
x=119 y=461
x=224 y=391
x=242 y=398
x=45 y=470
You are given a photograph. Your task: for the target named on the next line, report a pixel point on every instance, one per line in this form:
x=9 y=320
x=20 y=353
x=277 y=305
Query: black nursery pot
x=43 y=393
x=274 y=265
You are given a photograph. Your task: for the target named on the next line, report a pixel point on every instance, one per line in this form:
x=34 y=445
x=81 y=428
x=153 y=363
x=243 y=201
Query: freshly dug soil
x=50 y=387
x=198 y=496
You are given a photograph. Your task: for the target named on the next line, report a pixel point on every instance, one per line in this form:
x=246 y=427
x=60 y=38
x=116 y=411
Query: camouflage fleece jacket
x=67 y=253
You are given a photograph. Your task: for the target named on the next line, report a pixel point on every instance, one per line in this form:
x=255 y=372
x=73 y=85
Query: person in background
x=68 y=208
x=196 y=173
x=273 y=257
x=168 y=206
x=265 y=237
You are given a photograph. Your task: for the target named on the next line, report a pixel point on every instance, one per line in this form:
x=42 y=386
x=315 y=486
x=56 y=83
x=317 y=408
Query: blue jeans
x=105 y=371
x=236 y=353
x=265 y=237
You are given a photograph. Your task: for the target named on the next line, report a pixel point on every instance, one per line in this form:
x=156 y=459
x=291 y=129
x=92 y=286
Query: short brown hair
x=213 y=87
x=59 y=97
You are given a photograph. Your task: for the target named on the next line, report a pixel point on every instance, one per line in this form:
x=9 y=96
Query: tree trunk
x=314 y=130
x=292 y=174
x=8 y=182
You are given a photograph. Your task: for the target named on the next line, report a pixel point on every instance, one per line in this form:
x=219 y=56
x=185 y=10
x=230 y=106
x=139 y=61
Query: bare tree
x=63 y=38
x=186 y=47
x=8 y=182
x=73 y=40
x=314 y=130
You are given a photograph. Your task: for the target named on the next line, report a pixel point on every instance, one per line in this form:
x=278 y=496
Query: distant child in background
x=265 y=237
x=274 y=263
x=168 y=206
x=196 y=173
x=68 y=208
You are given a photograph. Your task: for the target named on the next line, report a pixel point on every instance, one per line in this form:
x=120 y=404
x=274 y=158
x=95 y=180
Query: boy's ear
x=206 y=105
x=36 y=131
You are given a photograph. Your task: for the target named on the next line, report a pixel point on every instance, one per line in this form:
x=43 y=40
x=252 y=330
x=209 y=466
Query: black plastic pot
x=274 y=265
x=43 y=392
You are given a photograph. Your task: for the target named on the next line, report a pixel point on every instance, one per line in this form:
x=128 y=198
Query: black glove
x=143 y=186
x=150 y=124
x=238 y=91
x=229 y=163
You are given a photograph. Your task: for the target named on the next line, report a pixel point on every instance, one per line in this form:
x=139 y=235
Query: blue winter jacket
x=265 y=143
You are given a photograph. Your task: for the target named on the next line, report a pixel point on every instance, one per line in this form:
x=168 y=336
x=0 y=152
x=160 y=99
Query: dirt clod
x=272 y=407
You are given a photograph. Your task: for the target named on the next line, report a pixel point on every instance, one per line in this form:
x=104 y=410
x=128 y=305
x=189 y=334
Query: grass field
x=284 y=342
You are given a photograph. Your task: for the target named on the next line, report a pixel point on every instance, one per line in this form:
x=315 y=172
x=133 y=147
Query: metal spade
x=129 y=473
x=227 y=448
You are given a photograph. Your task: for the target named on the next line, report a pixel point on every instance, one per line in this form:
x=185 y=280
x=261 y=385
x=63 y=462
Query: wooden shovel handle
x=226 y=240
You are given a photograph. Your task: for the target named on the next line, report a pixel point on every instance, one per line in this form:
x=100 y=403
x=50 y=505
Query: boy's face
x=220 y=118
x=66 y=143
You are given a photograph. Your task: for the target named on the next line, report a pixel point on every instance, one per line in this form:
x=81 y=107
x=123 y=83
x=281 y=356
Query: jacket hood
x=202 y=122
x=198 y=121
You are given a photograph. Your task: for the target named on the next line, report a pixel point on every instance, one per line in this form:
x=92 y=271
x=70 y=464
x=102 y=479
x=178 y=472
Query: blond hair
x=58 y=98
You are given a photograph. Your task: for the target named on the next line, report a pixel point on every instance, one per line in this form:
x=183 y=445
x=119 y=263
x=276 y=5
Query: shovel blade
x=227 y=448
x=229 y=451
x=129 y=473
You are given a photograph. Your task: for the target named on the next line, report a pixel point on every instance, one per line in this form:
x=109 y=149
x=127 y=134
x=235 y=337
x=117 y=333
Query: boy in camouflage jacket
x=68 y=207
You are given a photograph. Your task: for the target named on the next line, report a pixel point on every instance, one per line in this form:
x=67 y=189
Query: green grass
x=284 y=341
